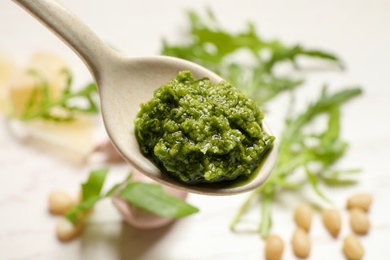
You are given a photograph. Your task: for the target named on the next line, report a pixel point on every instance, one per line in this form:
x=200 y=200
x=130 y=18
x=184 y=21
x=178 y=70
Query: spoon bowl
x=124 y=84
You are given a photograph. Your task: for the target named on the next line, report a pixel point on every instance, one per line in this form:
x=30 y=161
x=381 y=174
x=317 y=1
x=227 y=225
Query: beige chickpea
x=360 y=200
x=332 y=221
x=274 y=247
x=59 y=202
x=303 y=216
x=353 y=248
x=66 y=230
x=359 y=222
x=301 y=243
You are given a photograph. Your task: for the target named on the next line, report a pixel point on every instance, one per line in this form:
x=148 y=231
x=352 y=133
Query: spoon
x=125 y=83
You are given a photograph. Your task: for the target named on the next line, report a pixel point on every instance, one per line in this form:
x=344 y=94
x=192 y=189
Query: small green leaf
x=266 y=219
x=153 y=198
x=90 y=195
x=323 y=55
x=338 y=182
x=42 y=105
x=288 y=185
x=338 y=173
x=333 y=130
x=94 y=184
x=69 y=80
x=30 y=103
x=46 y=94
x=113 y=190
x=313 y=180
x=77 y=212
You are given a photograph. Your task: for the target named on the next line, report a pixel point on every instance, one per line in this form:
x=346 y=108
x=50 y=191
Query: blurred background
x=355 y=31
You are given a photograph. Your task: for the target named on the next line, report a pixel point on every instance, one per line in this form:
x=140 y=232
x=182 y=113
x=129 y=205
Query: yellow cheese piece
x=70 y=141
x=51 y=67
x=7 y=68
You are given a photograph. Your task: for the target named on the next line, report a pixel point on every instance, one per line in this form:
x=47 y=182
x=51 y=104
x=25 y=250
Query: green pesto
x=200 y=132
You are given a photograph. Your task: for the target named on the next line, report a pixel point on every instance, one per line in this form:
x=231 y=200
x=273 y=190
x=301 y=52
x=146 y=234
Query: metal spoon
x=126 y=82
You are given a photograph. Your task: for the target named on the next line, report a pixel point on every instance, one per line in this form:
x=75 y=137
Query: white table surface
x=358 y=31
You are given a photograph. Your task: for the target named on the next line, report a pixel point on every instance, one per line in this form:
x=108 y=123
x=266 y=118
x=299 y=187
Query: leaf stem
x=266 y=218
x=243 y=209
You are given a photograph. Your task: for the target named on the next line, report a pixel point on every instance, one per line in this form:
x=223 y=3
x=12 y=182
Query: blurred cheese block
x=50 y=66
x=47 y=69
x=73 y=140
x=7 y=68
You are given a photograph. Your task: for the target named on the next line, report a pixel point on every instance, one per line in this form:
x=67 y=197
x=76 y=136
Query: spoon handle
x=75 y=33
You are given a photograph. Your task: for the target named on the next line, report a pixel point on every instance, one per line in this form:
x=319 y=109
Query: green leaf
x=337 y=182
x=91 y=194
x=69 y=80
x=288 y=185
x=313 y=180
x=220 y=51
x=333 y=130
x=324 y=103
x=338 y=173
x=92 y=188
x=113 y=190
x=324 y=55
x=30 y=103
x=86 y=93
x=153 y=198
x=77 y=212
x=42 y=105
x=266 y=219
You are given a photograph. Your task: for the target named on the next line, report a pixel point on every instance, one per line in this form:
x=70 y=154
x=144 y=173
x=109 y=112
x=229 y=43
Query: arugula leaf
x=221 y=51
x=41 y=104
x=266 y=219
x=78 y=212
x=295 y=154
x=91 y=194
x=153 y=198
x=92 y=188
x=337 y=178
x=150 y=197
x=313 y=180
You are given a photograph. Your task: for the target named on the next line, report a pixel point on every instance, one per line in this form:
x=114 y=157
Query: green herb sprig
x=42 y=105
x=147 y=196
x=219 y=50
x=313 y=153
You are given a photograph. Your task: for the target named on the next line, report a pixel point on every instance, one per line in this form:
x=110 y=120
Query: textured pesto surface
x=201 y=132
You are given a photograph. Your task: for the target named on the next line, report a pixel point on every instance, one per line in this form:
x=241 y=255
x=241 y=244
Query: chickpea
x=274 y=247
x=301 y=243
x=360 y=200
x=66 y=230
x=352 y=248
x=59 y=202
x=303 y=216
x=360 y=224
x=332 y=221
